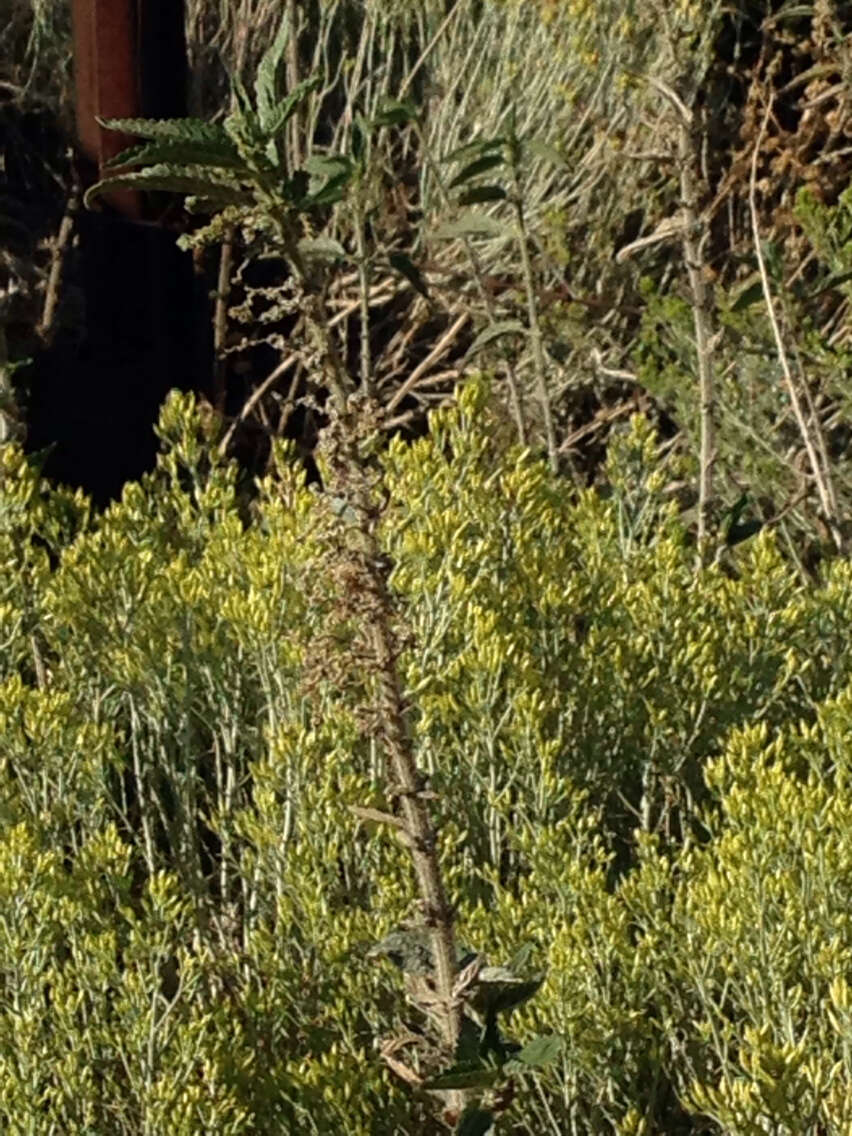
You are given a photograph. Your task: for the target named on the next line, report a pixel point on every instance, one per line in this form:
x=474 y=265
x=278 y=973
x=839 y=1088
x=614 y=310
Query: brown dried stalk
x=365 y=578
x=220 y=321
x=58 y=252
x=811 y=432
x=363 y=572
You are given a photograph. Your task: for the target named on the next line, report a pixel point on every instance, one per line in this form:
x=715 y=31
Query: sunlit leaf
x=495 y=331
x=480 y=166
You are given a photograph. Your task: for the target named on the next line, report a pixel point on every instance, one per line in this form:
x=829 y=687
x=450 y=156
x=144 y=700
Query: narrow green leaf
x=495 y=331
x=474 y=169
x=288 y=107
x=193 y=130
x=322 y=249
x=747 y=297
x=361 y=130
x=170 y=179
x=794 y=12
x=834 y=281
x=468 y=1044
x=549 y=153
x=241 y=97
x=482 y=193
x=333 y=190
x=267 y=75
x=327 y=165
x=773 y=259
x=537 y=1053
x=480 y=1077
x=394 y=113
x=475 y=149
x=473 y=225
x=221 y=154
x=499 y=990
x=407 y=268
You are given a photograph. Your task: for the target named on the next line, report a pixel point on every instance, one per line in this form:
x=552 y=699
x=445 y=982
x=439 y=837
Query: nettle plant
x=239 y=174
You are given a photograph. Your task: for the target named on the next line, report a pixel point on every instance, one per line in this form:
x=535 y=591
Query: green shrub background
x=642 y=771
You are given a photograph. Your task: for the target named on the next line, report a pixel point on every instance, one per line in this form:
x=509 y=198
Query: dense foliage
x=604 y=320
x=615 y=682
x=640 y=771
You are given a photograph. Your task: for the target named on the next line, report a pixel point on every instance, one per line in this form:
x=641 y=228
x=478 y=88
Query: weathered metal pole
x=145 y=327
x=129 y=62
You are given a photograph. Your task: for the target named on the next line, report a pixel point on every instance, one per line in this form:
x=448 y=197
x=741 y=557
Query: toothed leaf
x=267 y=76
x=190 y=130
x=220 y=154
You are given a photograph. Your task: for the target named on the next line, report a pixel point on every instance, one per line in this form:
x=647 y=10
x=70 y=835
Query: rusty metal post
x=129 y=62
x=106 y=73
x=145 y=327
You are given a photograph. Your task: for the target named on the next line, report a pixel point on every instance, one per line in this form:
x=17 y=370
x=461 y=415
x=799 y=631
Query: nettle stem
x=350 y=482
x=420 y=830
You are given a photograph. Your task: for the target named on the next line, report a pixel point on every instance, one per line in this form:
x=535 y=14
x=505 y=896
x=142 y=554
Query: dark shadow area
x=95 y=394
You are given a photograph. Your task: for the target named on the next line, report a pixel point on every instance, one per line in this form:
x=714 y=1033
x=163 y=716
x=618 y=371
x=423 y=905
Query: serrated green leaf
x=736 y=534
x=474 y=169
x=407 y=268
x=473 y=225
x=482 y=193
x=196 y=204
x=475 y=1121
x=558 y=349
x=410 y=949
x=191 y=130
x=295 y=189
x=330 y=174
x=221 y=154
x=495 y=331
x=291 y=103
x=170 y=179
x=265 y=84
x=733 y=516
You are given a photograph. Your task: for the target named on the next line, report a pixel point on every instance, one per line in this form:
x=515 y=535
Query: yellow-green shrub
x=639 y=769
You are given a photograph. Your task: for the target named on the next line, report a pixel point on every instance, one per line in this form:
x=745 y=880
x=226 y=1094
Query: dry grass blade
x=810 y=431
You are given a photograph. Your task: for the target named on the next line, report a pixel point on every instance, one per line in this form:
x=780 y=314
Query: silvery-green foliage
x=641 y=771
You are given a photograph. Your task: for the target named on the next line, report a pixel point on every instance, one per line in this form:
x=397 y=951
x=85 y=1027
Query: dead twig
x=810 y=432
x=440 y=348
x=58 y=253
